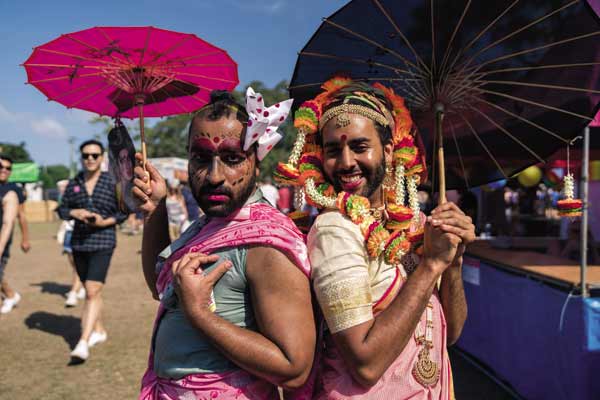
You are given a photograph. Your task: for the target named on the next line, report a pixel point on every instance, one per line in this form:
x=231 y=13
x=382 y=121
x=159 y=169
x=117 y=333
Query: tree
x=168 y=138
x=17 y=152
x=51 y=174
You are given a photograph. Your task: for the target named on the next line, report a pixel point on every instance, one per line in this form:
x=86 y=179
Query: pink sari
x=254 y=224
x=397 y=382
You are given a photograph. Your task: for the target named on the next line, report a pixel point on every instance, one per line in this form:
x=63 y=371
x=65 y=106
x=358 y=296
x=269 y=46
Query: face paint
x=222 y=175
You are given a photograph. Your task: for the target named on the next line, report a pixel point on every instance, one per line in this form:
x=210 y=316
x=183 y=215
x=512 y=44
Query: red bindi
x=344 y=137
x=216 y=139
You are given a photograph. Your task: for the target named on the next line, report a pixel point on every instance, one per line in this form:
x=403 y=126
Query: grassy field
x=36 y=338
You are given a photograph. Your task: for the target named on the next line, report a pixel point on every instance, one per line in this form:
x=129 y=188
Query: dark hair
x=339 y=97
x=91 y=141
x=6 y=158
x=118 y=138
x=222 y=105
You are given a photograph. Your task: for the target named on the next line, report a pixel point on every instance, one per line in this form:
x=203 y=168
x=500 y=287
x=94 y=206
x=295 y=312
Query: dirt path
x=36 y=338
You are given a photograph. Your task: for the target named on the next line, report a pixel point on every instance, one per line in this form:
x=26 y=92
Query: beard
x=236 y=200
x=374 y=178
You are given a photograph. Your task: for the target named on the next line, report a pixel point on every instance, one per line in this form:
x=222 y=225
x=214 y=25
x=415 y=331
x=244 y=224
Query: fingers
x=457 y=220
x=464 y=234
x=154 y=174
x=137 y=192
x=449 y=206
x=213 y=276
x=191 y=261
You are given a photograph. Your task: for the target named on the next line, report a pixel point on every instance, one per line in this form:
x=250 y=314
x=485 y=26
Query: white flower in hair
x=263 y=122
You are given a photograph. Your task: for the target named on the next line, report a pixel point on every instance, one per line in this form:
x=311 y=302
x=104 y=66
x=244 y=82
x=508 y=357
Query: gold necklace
x=426 y=371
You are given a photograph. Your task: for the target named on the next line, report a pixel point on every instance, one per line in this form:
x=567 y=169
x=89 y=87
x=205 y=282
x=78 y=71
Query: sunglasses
x=9 y=168
x=85 y=156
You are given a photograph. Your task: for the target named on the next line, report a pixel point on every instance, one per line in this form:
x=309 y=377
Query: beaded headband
x=342 y=111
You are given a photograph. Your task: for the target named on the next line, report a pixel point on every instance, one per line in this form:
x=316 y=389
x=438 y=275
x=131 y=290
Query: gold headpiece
x=342 y=110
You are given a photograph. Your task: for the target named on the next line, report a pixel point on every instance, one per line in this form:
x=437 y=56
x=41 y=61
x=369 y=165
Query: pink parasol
x=130 y=72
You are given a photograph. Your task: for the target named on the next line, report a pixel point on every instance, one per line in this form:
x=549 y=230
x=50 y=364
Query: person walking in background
x=63 y=237
x=9 y=209
x=22 y=197
x=176 y=209
x=91 y=201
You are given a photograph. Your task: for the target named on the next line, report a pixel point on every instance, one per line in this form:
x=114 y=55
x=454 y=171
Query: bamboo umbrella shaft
x=140 y=105
x=439 y=119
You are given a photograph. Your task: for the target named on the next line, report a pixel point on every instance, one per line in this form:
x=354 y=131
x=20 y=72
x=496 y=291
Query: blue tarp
x=514 y=326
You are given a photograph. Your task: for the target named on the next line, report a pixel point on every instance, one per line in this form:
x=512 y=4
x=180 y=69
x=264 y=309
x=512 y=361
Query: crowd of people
x=234 y=276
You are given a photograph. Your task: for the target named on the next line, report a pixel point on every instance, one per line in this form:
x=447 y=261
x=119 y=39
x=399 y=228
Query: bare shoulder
x=264 y=261
x=10 y=199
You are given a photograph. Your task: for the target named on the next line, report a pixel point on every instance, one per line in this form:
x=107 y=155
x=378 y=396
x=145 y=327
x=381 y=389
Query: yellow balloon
x=530 y=176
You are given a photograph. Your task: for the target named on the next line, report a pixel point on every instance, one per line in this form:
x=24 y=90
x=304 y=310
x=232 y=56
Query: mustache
x=211 y=190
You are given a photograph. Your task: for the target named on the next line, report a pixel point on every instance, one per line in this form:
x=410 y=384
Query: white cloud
x=6 y=115
x=266 y=6
x=49 y=127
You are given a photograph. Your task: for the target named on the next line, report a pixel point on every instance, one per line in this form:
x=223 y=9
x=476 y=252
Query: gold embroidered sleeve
x=340 y=272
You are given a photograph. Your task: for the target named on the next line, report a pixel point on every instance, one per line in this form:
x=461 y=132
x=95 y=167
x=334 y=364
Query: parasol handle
x=439 y=118
x=140 y=104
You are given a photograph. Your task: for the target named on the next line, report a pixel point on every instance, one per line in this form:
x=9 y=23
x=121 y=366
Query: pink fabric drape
x=254 y=224
x=397 y=382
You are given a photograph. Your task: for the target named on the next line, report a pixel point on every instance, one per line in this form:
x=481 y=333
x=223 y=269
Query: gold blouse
x=347 y=282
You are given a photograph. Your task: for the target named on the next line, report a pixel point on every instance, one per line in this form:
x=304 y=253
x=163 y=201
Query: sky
x=263 y=37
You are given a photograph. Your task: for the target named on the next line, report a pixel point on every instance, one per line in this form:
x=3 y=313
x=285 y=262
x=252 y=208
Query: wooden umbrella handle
x=439 y=119
x=140 y=105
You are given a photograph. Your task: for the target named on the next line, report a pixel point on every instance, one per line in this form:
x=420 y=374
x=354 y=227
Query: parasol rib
x=89 y=46
x=184 y=59
x=489 y=153
x=476 y=38
x=477 y=68
x=504 y=110
x=535 y=103
x=535 y=67
x=539 y=85
x=81 y=100
x=59 y=78
x=205 y=77
x=433 y=64
x=359 y=61
x=505 y=131
x=145 y=48
x=545 y=46
x=443 y=71
x=460 y=159
x=77 y=89
x=406 y=41
x=79 y=57
x=199 y=100
x=374 y=43
x=170 y=49
x=183 y=109
x=506 y=37
x=117 y=50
